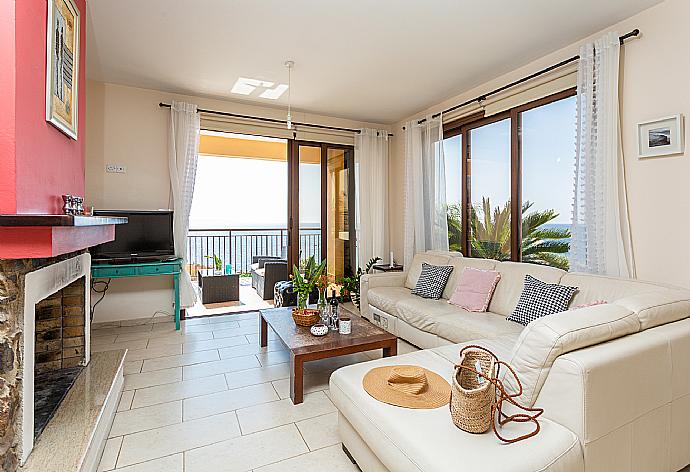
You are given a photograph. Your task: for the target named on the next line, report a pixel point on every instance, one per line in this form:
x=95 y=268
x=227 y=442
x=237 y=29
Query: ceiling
x=368 y=60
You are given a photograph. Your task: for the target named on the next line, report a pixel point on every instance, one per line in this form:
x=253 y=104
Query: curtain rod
x=270 y=120
x=480 y=98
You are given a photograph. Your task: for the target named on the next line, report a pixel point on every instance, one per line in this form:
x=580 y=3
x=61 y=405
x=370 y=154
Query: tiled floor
x=208 y=398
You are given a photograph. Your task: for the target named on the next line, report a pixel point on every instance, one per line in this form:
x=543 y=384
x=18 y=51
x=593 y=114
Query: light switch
x=115 y=169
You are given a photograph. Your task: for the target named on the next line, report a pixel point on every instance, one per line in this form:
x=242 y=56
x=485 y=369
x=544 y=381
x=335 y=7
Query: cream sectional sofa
x=614 y=379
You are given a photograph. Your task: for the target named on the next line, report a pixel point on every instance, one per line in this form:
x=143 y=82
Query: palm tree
x=490 y=234
x=545 y=246
x=454 y=227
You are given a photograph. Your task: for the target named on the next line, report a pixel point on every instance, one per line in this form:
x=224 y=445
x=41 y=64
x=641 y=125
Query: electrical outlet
x=115 y=169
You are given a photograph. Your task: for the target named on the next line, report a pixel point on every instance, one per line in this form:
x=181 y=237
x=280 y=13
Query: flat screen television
x=146 y=235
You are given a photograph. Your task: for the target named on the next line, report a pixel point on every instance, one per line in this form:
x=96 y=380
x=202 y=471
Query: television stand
x=113 y=270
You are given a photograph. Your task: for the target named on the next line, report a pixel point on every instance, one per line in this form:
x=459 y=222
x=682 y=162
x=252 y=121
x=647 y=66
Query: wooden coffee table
x=304 y=346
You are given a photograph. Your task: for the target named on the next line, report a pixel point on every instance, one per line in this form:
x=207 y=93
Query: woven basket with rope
x=477 y=395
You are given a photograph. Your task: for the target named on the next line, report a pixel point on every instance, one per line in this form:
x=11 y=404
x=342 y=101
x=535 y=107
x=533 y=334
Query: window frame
x=463 y=126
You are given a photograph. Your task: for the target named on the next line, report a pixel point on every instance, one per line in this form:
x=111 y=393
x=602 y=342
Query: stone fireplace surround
x=24 y=284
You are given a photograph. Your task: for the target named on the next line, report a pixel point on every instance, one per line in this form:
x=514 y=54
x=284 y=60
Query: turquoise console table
x=143 y=269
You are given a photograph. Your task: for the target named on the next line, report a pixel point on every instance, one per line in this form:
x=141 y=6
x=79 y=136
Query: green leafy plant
x=490 y=234
x=351 y=283
x=454 y=227
x=304 y=281
x=217 y=262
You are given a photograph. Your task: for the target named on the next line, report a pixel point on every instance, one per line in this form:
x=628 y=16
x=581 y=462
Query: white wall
x=126 y=126
x=655 y=79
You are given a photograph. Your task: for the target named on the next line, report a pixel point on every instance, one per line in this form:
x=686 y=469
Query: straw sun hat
x=409 y=386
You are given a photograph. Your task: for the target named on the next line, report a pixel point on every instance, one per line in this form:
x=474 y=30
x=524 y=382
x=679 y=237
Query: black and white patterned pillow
x=432 y=281
x=541 y=299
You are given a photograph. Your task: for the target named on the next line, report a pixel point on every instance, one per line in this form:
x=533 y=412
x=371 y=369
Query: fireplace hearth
x=50 y=388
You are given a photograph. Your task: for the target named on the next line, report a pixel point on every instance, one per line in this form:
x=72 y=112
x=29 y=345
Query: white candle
x=392 y=263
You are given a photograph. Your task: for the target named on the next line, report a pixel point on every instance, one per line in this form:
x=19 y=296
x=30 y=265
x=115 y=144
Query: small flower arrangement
x=334 y=290
x=304 y=283
x=323 y=282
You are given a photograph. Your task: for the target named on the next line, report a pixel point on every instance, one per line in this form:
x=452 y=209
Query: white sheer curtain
x=426 y=224
x=600 y=227
x=183 y=154
x=371 y=164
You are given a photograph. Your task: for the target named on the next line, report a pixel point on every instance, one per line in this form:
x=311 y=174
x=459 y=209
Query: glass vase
x=322 y=305
x=302 y=300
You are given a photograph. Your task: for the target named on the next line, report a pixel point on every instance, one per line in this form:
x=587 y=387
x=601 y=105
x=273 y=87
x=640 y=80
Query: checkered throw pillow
x=540 y=299
x=432 y=281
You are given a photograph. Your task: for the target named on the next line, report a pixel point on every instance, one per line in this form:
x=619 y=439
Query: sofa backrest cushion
x=459 y=264
x=600 y=287
x=444 y=253
x=543 y=340
x=509 y=288
x=433 y=258
x=659 y=307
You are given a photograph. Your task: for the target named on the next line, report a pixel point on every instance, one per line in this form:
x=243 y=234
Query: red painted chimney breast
x=38 y=163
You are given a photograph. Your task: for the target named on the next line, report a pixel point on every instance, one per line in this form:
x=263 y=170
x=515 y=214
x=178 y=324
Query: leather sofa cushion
x=509 y=287
x=459 y=264
x=467 y=326
x=600 y=287
x=433 y=258
x=659 y=307
x=427 y=440
x=544 y=339
x=386 y=298
x=422 y=312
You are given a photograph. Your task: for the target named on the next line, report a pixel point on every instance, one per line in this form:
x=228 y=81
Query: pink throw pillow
x=475 y=289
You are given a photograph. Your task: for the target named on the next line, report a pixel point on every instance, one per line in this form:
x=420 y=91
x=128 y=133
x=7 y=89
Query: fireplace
x=58 y=349
x=44 y=344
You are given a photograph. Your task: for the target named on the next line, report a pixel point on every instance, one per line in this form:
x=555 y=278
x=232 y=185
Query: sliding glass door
x=340 y=211
x=321 y=210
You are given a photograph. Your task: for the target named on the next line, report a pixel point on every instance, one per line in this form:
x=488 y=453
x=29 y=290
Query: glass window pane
x=340 y=218
x=309 y=203
x=548 y=166
x=489 y=167
x=452 y=151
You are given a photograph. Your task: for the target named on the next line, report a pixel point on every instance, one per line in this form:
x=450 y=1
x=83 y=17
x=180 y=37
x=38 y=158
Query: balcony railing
x=237 y=246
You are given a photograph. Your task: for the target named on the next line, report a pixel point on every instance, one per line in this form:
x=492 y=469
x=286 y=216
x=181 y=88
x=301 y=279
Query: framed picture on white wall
x=661 y=137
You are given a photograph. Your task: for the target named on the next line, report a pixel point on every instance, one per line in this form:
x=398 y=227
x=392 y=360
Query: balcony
x=237 y=246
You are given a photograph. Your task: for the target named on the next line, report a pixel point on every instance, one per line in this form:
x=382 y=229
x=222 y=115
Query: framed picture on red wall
x=62 y=66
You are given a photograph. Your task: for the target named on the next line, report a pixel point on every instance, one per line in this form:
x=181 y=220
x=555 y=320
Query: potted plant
x=217 y=264
x=305 y=282
x=351 y=283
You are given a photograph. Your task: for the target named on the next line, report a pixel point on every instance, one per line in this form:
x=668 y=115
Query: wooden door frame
x=293 y=204
x=293 y=195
